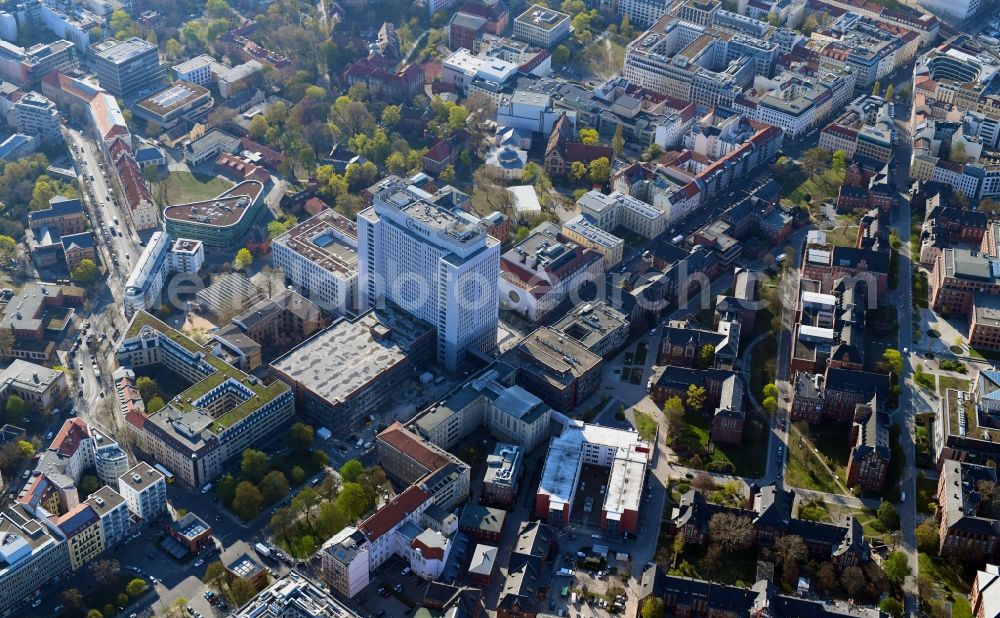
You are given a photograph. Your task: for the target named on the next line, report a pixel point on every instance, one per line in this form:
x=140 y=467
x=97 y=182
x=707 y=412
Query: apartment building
x=865 y=129
x=797 y=101
x=32 y=556
x=295 y=596
x=144 y=490
x=504 y=468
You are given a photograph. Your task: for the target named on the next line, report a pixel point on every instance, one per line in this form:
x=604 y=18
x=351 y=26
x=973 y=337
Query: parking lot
x=400 y=593
x=590 y=493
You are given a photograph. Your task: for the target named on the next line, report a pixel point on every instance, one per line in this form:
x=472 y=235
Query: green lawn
x=843 y=236
x=799 y=189
x=748 y=459
x=952 y=580
x=926 y=493
x=604 y=59
x=645 y=425
x=946 y=382
x=804 y=471
x=737 y=568
x=183 y=187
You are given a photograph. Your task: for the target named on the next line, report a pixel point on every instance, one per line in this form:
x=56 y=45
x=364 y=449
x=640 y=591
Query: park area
x=183 y=187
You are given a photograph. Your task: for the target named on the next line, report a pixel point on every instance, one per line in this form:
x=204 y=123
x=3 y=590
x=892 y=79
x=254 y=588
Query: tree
x=815 y=160
x=352 y=500
x=331 y=519
x=826 y=577
x=652 y=607
x=155 y=404
x=696 y=396
x=247 y=501
x=15 y=409
x=105 y=572
x=89 y=484
x=225 y=489
x=927 y=536
x=810 y=24
x=703 y=482
x=618 y=141
x=790 y=548
x=94 y=613
x=838 y=160
x=254 y=465
x=213 y=572
x=599 y=170
x=589 y=136
x=673 y=409
x=27 y=449
x=391 y=115
x=136 y=587
x=560 y=55
x=298 y=475
x=273 y=487
x=894 y=359
x=876 y=87
x=243 y=259
x=730 y=531
x=706 y=356
x=853 y=580
x=241 y=590
x=578 y=169
x=887 y=515
x=172 y=48
x=958 y=154
x=626 y=27
x=447 y=174
x=896 y=567
x=258 y=127
x=85 y=272
x=891 y=605
x=770 y=404
x=72 y=598
x=147 y=386
x=889 y=91
x=351 y=470
x=8 y=247
x=300 y=437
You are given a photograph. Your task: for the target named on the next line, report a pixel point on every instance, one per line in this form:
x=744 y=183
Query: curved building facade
x=219 y=222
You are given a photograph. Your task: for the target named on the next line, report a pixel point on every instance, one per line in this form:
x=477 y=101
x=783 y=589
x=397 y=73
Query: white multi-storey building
x=145 y=283
x=643 y=12
x=144 y=490
x=186 y=256
x=434 y=264
x=541 y=26
x=34 y=114
x=320 y=257
x=197 y=70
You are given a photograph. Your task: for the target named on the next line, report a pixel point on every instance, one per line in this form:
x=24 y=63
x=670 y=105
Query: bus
x=167 y=474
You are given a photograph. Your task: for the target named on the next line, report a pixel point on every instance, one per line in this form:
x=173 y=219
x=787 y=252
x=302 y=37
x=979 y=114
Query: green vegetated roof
x=263 y=393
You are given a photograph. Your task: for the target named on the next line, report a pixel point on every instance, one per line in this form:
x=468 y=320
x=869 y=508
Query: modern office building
x=179 y=101
x=197 y=70
x=319 y=256
x=222 y=413
x=541 y=26
x=35 y=114
x=27 y=66
x=128 y=68
x=952 y=10
x=145 y=491
x=219 y=222
x=343 y=373
x=434 y=264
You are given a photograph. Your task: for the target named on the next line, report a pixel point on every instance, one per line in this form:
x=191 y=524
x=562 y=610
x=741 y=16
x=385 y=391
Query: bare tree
x=732 y=532
x=790 y=548
x=703 y=482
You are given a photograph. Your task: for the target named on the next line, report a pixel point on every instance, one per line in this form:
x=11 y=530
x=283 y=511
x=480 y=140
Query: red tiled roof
x=69 y=437
x=575 y=151
x=390 y=515
x=406 y=442
x=440 y=152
